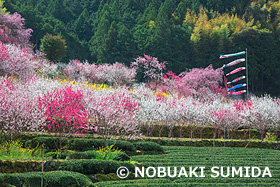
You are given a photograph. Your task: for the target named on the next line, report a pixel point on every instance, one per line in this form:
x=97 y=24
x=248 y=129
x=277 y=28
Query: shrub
x=54 y=47
x=148 y=146
x=122 y=157
x=51 y=179
x=82 y=155
x=50 y=142
x=87 y=144
x=93 y=166
x=14 y=150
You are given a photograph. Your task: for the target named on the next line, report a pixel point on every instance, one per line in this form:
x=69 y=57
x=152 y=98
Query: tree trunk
x=181 y=131
x=245 y=134
x=277 y=135
x=160 y=130
x=190 y=134
x=262 y=135
x=170 y=135
x=201 y=133
x=232 y=133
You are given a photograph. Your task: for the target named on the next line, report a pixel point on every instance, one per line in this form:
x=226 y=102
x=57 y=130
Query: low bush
x=218 y=143
x=18 y=166
x=51 y=179
x=148 y=146
x=82 y=144
x=82 y=155
x=50 y=142
x=122 y=157
x=93 y=166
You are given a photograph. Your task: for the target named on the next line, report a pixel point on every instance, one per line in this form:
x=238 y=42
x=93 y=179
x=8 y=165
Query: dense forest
x=185 y=33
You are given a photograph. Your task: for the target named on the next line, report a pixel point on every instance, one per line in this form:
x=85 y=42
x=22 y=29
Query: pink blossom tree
x=16 y=61
x=12 y=29
x=261 y=114
x=76 y=70
x=65 y=112
x=112 y=113
x=148 y=69
x=18 y=111
x=115 y=74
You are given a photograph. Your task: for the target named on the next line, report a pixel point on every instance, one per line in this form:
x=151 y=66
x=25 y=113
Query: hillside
x=185 y=33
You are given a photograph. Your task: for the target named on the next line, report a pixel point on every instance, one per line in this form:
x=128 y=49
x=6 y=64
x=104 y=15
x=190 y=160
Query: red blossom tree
x=64 y=111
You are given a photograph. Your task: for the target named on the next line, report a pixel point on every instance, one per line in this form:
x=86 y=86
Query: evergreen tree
x=54 y=47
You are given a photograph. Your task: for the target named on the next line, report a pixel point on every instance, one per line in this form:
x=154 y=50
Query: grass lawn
x=203 y=156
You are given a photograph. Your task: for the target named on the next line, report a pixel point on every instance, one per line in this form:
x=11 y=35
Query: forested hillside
x=185 y=33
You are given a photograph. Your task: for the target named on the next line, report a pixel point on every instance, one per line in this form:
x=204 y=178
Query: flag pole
x=247 y=72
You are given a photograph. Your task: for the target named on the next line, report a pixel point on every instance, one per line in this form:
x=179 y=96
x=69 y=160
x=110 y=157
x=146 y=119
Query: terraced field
x=203 y=156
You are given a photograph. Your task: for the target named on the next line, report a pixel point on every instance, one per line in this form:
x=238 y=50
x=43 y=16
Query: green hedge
x=94 y=166
x=51 y=179
x=148 y=146
x=18 y=166
x=219 y=143
x=78 y=144
x=72 y=155
x=50 y=142
x=207 y=132
x=122 y=157
x=81 y=144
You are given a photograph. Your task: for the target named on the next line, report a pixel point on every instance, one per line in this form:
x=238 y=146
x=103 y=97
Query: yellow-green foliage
x=14 y=150
x=87 y=84
x=110 y=151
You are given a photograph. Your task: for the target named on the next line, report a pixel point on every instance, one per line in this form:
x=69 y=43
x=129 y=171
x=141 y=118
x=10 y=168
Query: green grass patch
x=180 y=156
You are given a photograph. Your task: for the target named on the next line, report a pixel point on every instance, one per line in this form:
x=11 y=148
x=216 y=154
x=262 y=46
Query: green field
x=203 y=156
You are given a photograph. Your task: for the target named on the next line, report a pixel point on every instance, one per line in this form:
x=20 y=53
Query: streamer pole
x=247 y=78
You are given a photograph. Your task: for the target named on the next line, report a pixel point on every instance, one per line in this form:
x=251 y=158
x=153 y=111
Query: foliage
x=110 y=152
x=14 y=150
x=93 y=166
x=87 y=144
x=148 y=146
x=54 y=47
x=53 y=178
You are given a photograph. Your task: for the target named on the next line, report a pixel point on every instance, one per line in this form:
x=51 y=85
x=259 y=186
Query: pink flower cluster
x=18 y=112
x=64 y=111
x=197 y=82
x=12 y=29
x=16 y=61
x=114 y=74
x=150 y=66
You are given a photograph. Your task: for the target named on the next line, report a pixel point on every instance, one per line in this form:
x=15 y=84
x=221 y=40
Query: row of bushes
x=197 y=132
x=82 y=144
x=150 y=146
x=84 y=166
x=50 y=179
x=94 y=166
x=17 y=166
x=218 y=143
x=121 y=156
